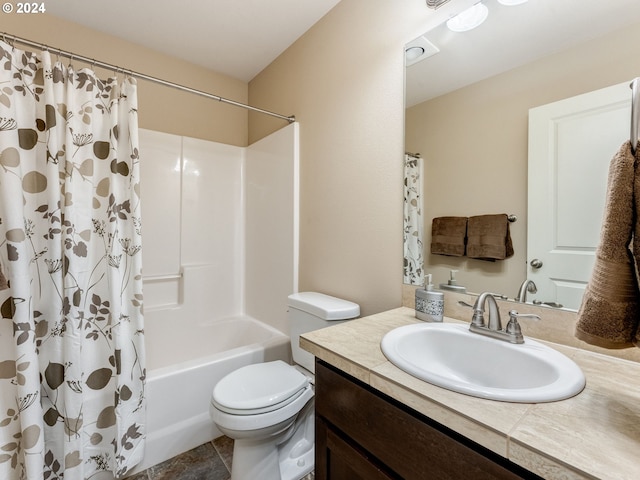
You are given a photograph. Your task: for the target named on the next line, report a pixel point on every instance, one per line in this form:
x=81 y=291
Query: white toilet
x=267 y=408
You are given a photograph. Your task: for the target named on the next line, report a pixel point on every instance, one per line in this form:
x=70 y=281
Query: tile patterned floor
x=211 y=461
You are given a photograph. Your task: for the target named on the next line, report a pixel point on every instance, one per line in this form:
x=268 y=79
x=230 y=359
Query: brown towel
x=610 y=309
x=636 y=233
x=489 y=238
x=448 y=236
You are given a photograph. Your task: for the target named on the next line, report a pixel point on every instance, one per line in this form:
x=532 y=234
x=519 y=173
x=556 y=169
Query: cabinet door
x=360 y=433
x=339 y=459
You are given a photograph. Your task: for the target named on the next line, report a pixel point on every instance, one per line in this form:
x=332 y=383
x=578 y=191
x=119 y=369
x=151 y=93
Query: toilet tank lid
x=324 y=306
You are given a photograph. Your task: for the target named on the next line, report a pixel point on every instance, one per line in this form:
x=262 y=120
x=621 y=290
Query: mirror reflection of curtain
x=72 y=374
x=413 y=222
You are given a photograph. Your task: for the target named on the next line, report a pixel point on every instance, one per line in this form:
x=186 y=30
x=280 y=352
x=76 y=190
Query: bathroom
x=348 y=247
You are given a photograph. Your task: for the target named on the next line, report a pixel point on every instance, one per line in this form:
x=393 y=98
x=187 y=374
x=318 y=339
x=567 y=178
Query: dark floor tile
x=201 y=463
x=138 y=476
x=224 y=447
x=211 y=461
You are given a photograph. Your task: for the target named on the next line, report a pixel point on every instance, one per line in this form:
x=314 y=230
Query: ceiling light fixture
x=512 y=2
x=469 y=19
x=419 y=49
x=412 y=53
x=436 y=3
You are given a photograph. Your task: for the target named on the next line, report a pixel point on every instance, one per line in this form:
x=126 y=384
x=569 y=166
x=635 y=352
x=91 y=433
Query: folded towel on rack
x=610 y=311
x=489 y=237
x=448 y=236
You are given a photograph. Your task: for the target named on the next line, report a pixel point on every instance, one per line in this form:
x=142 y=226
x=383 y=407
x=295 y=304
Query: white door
x=571 y=143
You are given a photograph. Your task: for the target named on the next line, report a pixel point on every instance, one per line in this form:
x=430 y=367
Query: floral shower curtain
x=413 y=221
x=72 y=373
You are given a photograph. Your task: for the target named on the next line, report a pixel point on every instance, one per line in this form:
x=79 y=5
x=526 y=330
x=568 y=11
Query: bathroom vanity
x=363 y=434
x=375 y=421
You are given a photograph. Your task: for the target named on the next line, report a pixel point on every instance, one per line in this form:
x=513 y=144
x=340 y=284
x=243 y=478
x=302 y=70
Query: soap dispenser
x=429 y=303
x=452 y=284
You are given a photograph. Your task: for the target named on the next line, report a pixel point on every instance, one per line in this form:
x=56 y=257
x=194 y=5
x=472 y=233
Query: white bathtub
x=184 y=364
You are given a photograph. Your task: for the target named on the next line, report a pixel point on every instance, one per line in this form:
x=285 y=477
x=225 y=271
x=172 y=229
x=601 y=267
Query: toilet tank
x=310 y=311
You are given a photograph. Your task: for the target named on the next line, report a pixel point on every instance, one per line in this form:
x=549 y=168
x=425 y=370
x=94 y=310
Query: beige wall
x=474 y=145
x=344 y=81
x=161 y=108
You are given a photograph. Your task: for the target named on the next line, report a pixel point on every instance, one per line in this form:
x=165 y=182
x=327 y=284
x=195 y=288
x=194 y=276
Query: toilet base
x=254 y=459
x=253 y=463
x=297 y=454
x=289 y=457
x=295 y=469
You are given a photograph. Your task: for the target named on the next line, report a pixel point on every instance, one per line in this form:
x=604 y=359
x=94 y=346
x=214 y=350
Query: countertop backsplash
x=555 y=325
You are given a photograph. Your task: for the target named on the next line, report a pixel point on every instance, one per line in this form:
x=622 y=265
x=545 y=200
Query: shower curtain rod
x=115 y=68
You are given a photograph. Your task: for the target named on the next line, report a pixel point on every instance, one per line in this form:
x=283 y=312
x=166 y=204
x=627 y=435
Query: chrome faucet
x=527 y=286
x=512 y=333
x=494 y=312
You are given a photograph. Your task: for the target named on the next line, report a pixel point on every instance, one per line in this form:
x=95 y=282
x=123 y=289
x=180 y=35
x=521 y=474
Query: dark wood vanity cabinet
x=363 y=434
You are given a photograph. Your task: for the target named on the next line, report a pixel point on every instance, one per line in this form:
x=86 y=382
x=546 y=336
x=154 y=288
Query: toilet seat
x=269 y=422
x=259 y=388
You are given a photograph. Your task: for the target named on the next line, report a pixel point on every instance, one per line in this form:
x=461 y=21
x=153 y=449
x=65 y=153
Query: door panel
x=571 y=143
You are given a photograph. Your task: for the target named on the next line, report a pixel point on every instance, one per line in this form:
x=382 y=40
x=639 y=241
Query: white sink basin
x=450 y=356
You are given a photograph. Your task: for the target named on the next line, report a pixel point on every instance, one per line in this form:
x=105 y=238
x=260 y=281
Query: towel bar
x=635 y=113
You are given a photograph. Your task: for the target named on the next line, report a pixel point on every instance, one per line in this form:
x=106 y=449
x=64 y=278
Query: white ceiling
x=510 y=37
x=239 y=38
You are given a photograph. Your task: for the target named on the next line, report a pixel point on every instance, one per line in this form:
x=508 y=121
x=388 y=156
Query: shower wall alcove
x=220 y=250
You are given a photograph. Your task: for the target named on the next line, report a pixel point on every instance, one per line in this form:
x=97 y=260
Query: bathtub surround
x=230 y=214
x=220 y=230
x=73 y=363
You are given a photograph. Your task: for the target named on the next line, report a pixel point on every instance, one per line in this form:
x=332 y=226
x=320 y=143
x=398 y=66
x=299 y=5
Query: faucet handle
x=513 y=315
x=464 y=304
x=499 y=296
x=478 y=314
x=513 y=327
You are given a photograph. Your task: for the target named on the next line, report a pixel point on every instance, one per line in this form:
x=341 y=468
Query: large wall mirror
x=467 y=114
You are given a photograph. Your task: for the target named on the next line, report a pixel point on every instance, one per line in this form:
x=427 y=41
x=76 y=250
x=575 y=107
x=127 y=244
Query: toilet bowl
x=268 y=408
x=262 y=407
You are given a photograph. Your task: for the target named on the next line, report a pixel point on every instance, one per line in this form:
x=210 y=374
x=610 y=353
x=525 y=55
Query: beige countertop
x=595 y=434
